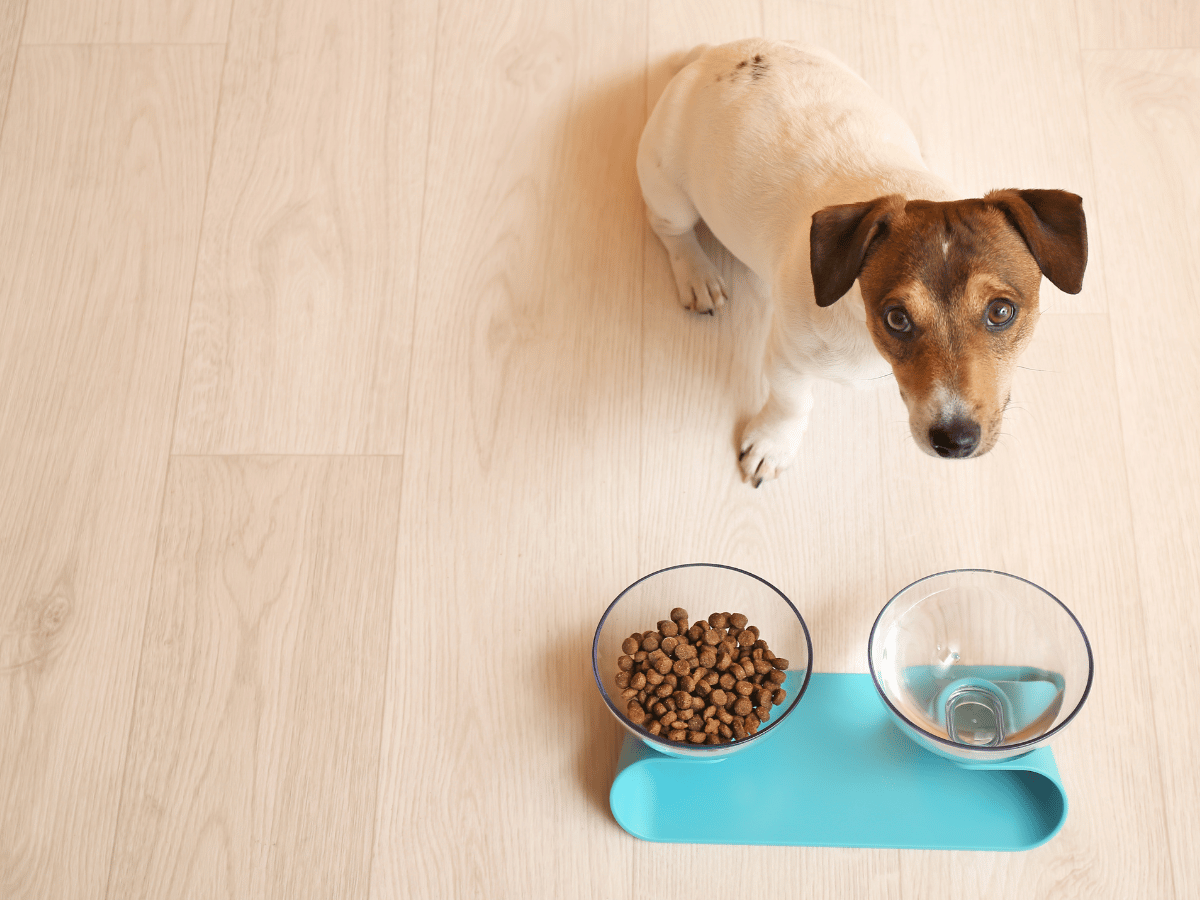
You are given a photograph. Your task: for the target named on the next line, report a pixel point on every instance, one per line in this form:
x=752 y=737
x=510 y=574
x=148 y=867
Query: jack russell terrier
x=873 y=262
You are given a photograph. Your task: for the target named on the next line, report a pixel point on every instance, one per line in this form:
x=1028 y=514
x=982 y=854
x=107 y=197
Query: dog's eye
x=1000 y=313
x=897 y=320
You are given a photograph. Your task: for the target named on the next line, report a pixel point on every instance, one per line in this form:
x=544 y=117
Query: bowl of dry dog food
x=701 y=660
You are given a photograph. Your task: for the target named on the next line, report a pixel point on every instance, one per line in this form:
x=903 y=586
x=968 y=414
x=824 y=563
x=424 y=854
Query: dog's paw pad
x=701 y=288
x=762 y=458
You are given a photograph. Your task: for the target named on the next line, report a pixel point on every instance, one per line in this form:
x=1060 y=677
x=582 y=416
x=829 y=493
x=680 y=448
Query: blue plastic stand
x=839 y=773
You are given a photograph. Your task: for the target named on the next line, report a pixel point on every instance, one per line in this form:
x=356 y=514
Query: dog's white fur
x=755 y=151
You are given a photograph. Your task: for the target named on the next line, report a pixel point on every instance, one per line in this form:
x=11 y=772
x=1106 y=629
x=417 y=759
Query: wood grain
x=525 y=401
x=1113 y=25
x=300 y=329
x=104 y=155
x=12 y=17
x=127 y=21
x=1146 y=119
x=254 y=750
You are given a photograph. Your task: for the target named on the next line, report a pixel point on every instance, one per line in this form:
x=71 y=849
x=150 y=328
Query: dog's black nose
x=955 y=439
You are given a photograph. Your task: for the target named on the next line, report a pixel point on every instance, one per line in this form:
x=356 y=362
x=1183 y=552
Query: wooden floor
x=342 y=386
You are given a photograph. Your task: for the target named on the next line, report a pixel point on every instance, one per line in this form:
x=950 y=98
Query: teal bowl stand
x=837 y=772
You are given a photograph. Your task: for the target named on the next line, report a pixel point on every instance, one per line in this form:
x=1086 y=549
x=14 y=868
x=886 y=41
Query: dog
x=873 y=262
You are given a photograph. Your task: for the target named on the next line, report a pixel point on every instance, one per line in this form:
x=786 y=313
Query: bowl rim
x=1003 y=748
x=696 y=750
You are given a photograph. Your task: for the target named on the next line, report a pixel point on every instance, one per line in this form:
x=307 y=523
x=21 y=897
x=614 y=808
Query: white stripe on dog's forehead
x=946 y=404
x=946 y=247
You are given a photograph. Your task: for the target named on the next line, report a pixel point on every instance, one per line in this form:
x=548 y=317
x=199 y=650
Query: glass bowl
x=979 y=665
x=702 y=589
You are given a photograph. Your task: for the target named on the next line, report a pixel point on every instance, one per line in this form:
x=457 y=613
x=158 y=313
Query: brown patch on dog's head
x=951 y=296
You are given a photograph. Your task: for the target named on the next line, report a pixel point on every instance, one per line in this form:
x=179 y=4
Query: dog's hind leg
x=673 y=218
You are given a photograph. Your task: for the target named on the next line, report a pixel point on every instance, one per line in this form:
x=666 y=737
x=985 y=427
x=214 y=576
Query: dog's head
x=951 y=295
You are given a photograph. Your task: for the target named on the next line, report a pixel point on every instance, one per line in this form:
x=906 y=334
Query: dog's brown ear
x=1054 y=229
x=838 y=243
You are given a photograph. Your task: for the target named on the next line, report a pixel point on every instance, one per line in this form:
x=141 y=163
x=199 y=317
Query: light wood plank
x=1145 y=111
x=1050 y=503
x=525 y=404
x=12 y=17
x=104 y=156
x=254 y=750
x=127 y=22
x=300 y=332
x=984 y=121
x=1114 y=25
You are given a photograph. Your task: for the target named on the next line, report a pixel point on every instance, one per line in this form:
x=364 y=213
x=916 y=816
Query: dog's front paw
x=766 y=452
x=700 y=285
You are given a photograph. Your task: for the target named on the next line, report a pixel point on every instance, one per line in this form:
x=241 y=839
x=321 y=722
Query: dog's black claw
x=712 y=312
x=742 y=455
x=757 y=483
x=759 y=466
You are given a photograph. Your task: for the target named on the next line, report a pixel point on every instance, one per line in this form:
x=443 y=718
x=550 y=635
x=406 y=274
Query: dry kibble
x=712 y=682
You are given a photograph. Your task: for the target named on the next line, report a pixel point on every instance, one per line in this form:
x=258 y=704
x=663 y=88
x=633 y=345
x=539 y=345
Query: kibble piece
x=752 y=724
x=779 y=696
x=703 y=688
x=650 y=641
x=718 y=620
x=695 y=723
x=697 y=737
x=628 y=694
x=687 y=683
x=653 y=678
x=737 y=620
x=727 y=681
x=711 y=726
x=711 y=637
x=677 y=735
x=678 y=614
x=725 y=716
x=761 y=667
x=695 y=632
x=667 y=628
x=737 y=672
x=763 y=713
x=779 y=662
x=685 y=651
x=638 y=681
x=778 y=676
x=685 y=713
x=717 y=697
x=724 y=660
x=708 y=658
x=668 y=644
x=697 y=703
x=739 y=733
x=622 y=680
x=682 y=699
x=743 y=688
x=724 y=730
x=637 y=715
x=668 y=718
x=743 y=707
x=629 y=646
x=746 y=637
x=682 y=666
x=625 y=663
x=640 y=655
x=663 y=665
x=663 y=690
x=654 y=727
